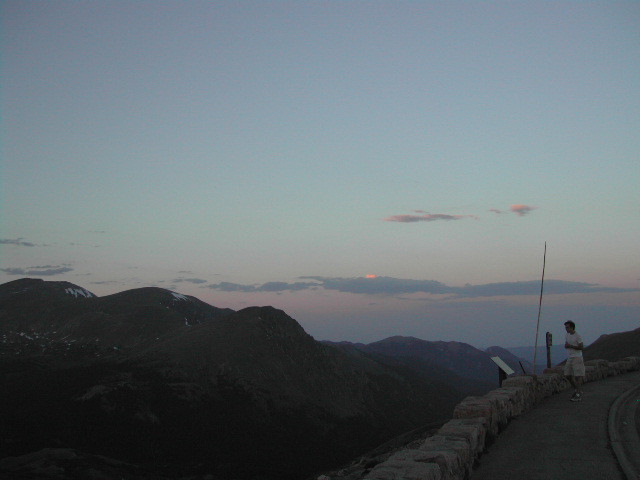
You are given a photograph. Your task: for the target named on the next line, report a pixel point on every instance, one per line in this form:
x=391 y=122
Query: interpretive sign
x=503 y=366
x=503 y=369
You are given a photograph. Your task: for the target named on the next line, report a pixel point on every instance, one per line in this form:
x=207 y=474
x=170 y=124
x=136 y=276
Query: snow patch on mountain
x=179 y=296
x=78 y=292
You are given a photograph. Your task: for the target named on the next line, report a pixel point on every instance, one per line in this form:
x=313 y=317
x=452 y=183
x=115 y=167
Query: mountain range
x=149 y=383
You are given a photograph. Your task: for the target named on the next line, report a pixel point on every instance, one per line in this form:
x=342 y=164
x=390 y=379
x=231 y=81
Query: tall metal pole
x=535 y=354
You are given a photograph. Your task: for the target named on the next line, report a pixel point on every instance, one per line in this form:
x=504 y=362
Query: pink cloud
x=427 y=217
x=522 y=210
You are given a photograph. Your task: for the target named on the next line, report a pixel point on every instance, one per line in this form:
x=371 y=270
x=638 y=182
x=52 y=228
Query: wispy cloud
x=381 y=285
x=425 y=217
x=189 y=280
x=519 y=209
x=397 y=286
x=551 y=287
x=39 y=271
x=522 y=210
x=16 y=241
x=265 y=287
x=422 y=216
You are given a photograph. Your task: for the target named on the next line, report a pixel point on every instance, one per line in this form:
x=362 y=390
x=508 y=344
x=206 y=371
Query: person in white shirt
x=574 y=368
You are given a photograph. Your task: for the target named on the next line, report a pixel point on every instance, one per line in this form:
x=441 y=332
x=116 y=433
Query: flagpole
x=535 y=352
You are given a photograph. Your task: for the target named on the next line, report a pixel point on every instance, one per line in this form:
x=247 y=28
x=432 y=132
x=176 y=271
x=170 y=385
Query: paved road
x=563 y=440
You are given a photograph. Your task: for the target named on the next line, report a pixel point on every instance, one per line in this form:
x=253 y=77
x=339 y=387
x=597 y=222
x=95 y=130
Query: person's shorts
x=574 y=367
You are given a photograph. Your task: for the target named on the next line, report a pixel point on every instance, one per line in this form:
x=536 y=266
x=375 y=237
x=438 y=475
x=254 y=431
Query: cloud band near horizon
x=425 y=217
x=39 y=271
x=16 y=241
x=396 y=286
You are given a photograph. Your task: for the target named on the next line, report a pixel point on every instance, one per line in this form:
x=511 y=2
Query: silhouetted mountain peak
x=150 y=296
x=38 y=316
x=37 y=286
x=150 y=299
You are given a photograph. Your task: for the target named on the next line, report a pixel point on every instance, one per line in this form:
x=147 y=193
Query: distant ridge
x=457 y=364
x=614 y=346
x=460 y=358
x=558 y=354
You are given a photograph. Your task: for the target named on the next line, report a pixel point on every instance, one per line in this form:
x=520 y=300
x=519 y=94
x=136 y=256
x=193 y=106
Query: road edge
x=619 y=406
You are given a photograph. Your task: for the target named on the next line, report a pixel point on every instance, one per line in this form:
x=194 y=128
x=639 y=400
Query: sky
x=372 y=168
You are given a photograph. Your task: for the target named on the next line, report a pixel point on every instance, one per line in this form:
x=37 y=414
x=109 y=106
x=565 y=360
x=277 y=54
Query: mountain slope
x=61 y=316
x=614 y=346
x=462 y=359
x=157 y=379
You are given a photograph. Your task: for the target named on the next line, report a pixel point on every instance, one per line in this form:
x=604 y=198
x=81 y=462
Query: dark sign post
x=549 y=343
x=503 y=369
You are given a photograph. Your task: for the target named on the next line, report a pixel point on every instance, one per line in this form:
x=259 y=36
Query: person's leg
x=579 y=373
x=577 y=393
x=572 y=375
x=569 y=373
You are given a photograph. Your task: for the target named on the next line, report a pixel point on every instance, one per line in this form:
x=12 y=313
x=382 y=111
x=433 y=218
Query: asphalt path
x=624 y=431
x=594 y=439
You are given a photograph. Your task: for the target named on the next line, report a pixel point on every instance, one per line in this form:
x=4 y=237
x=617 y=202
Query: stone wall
x=451 y=453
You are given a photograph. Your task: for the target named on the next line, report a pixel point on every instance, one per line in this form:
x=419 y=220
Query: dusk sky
x=372 y=168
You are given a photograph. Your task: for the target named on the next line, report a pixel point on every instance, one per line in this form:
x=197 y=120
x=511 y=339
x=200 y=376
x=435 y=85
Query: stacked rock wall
x=451 y=453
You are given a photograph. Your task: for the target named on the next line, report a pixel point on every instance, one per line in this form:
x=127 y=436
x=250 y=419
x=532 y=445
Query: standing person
x=574 y=368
